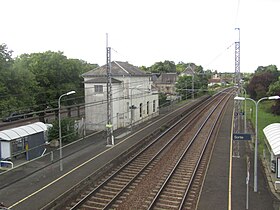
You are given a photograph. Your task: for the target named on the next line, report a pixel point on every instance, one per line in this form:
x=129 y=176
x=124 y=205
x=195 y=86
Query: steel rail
x=83 y=200
x=200 y=159
x=157 y=196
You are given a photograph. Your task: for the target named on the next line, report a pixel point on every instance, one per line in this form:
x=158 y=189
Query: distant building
x=165 y=83
x=215 y=80
x=189 y=71
x=131 y=87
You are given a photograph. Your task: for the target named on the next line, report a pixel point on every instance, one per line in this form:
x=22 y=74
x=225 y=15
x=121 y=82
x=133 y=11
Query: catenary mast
x=109 y=125
x=237 y=59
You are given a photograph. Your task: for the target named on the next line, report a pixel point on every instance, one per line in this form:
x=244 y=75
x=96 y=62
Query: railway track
x=168 y=172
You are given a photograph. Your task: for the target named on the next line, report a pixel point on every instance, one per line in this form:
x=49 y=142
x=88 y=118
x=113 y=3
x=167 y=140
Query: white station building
x=131 y=87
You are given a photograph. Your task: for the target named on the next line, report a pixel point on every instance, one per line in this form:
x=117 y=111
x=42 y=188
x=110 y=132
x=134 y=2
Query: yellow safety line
x=74 y=169
x=230 y=162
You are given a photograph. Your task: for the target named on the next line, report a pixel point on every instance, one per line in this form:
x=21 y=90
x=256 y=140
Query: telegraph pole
x=109 y=125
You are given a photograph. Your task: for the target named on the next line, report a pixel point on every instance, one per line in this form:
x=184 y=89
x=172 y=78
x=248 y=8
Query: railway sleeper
x=137 y=165
x=165 y=206
x=112 y=188
x=100 y=199
x=93 y=205
x=176 y=193
x=131 y=170
x=191 y=196
x=105 y=195
x=176 y=187
x=108 y=192
x=122 y=179
x=116 y=184
x=125 y=175
x=168 y=197
x=169 y=200
x=195 y=188
x=180 y=183
x=188 y=205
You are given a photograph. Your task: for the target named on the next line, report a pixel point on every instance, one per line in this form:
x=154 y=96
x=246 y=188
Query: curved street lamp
x=59 y=128
x=256 y=134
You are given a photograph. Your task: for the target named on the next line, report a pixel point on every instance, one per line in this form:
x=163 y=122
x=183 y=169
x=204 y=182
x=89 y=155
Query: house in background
x=189 y=71
x=131 y=88
x=215 y=80
x=166 y=83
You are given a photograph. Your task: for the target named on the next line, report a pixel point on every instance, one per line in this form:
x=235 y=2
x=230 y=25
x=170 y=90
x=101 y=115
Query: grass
x=265 y=118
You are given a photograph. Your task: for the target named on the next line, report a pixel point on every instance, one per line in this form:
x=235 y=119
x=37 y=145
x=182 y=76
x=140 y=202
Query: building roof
x=189 y=71
x=102 y=80
x=272 y=134
x=22 y=131
x=167 y=78
x=118 y=68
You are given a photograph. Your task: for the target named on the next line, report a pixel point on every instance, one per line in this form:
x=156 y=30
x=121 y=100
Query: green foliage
x=270 y=68
x=181 y=66
x=274 y=89
x=6 y=64
x=162 y=99
x=260 y=82
x=163 y=67
x=68 y=132
x=183 y=83
x=144 y=68
x=265 y=117
x=35 y=81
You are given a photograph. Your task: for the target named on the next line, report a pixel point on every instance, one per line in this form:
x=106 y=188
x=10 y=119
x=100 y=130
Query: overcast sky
x=147 y=31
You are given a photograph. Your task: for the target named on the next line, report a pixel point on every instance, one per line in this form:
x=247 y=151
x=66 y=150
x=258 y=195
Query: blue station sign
x=242 y=136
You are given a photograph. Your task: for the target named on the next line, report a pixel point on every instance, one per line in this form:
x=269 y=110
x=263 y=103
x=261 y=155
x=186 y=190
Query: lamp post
x=131 y=107
x=59 y=128
x=256 y=134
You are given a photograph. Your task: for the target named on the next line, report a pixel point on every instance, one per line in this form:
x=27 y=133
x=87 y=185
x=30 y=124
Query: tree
x=183 y=84
x=6 y=63
x=144 y=68
x=35 y=81
x=163 y=67
x=274 y=89
x=54 y=74
x=68 y=132
x=269 y=68
x=259 y=84
x=181 y=66
x=162 y=99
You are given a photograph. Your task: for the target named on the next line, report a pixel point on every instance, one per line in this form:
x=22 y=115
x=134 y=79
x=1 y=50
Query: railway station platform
x=225 y=182
x=37 y=190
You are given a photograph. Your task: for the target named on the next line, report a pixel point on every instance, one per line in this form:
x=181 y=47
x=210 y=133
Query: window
x=147 y=107
x=154 y=105
x=98 y=88
x=140 y=110
x=17 y=146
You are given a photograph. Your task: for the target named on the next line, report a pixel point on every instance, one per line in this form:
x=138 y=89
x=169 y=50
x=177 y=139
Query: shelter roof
x=272 y=134
x=22 y=131
x=118 y=68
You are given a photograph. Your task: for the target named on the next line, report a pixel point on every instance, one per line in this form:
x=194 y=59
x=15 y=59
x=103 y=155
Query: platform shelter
x=23 y=142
